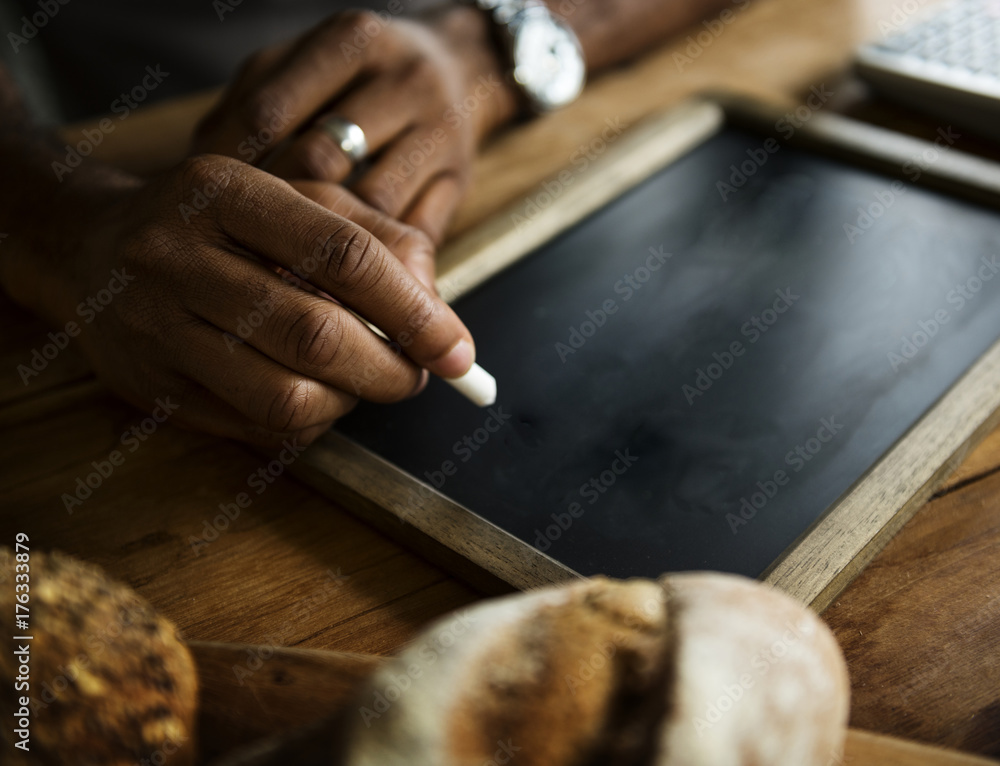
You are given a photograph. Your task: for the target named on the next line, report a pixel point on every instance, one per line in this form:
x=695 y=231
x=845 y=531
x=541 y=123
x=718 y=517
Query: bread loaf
x=693 y=670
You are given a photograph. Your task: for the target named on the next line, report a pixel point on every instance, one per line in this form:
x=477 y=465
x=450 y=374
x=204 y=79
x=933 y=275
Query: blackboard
x=693 y=376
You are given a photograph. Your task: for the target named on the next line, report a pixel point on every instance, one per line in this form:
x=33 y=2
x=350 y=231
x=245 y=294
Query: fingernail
x=456 y=362
x=421 y=383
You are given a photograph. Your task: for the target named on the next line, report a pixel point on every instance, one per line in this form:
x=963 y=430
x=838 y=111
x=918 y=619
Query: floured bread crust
x=699 y=669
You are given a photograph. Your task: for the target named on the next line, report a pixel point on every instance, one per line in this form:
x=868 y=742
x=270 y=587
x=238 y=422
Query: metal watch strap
x=506 y=16
x=503 y=11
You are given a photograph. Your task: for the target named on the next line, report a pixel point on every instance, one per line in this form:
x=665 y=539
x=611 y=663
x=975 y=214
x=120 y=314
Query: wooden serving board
x=250 y=693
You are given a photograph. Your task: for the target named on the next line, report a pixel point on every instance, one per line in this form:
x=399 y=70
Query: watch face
x=547 y=61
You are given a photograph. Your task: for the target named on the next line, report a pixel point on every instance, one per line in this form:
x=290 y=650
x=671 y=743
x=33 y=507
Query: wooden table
x=920 y=627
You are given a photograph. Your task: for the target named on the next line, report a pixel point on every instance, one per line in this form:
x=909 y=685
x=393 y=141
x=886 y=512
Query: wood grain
x=245 y=586
x=425 y=520
x=919 y=625
x=866 y=749
x=249 y=692
x=291 y=569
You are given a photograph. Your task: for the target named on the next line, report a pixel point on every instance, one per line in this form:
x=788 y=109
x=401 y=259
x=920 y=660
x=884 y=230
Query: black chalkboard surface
x=690 y=377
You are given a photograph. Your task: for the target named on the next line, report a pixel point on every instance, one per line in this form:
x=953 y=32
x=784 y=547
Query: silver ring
x=349 y=137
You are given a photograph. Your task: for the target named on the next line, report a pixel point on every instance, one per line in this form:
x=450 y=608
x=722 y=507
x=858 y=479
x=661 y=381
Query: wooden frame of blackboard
x=824 y=559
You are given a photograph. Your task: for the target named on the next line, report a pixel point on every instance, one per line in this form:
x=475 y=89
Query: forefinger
x=341 y=258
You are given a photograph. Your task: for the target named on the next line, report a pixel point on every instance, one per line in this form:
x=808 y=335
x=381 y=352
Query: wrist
x=492 y=100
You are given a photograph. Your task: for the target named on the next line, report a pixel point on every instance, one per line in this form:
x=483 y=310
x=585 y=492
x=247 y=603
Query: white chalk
x=477 y=385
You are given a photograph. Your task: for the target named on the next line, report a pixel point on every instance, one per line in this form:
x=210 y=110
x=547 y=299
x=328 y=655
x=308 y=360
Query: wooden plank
x=249 y=692
x=866 y=749
x=425 y=520
x=920 y=627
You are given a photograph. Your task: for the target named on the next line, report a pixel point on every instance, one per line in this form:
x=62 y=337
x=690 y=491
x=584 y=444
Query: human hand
x=205 y=318
x=424 y=93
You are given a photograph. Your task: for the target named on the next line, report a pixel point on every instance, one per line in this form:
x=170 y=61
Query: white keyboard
x=944 y=61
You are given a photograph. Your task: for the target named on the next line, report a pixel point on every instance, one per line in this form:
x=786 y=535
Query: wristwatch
x=546 y=59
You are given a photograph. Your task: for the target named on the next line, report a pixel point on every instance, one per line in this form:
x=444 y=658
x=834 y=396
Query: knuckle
x=196 y=170
x=150 y=250
x=416 y=242
x=411 y=242
x=351 y=256
x=288 y=408
x=316 y=337
x=205 y=170
x=422 y=316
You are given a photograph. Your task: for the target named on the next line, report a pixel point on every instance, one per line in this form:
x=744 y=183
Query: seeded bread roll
x=110 y=683
x=693 y=670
